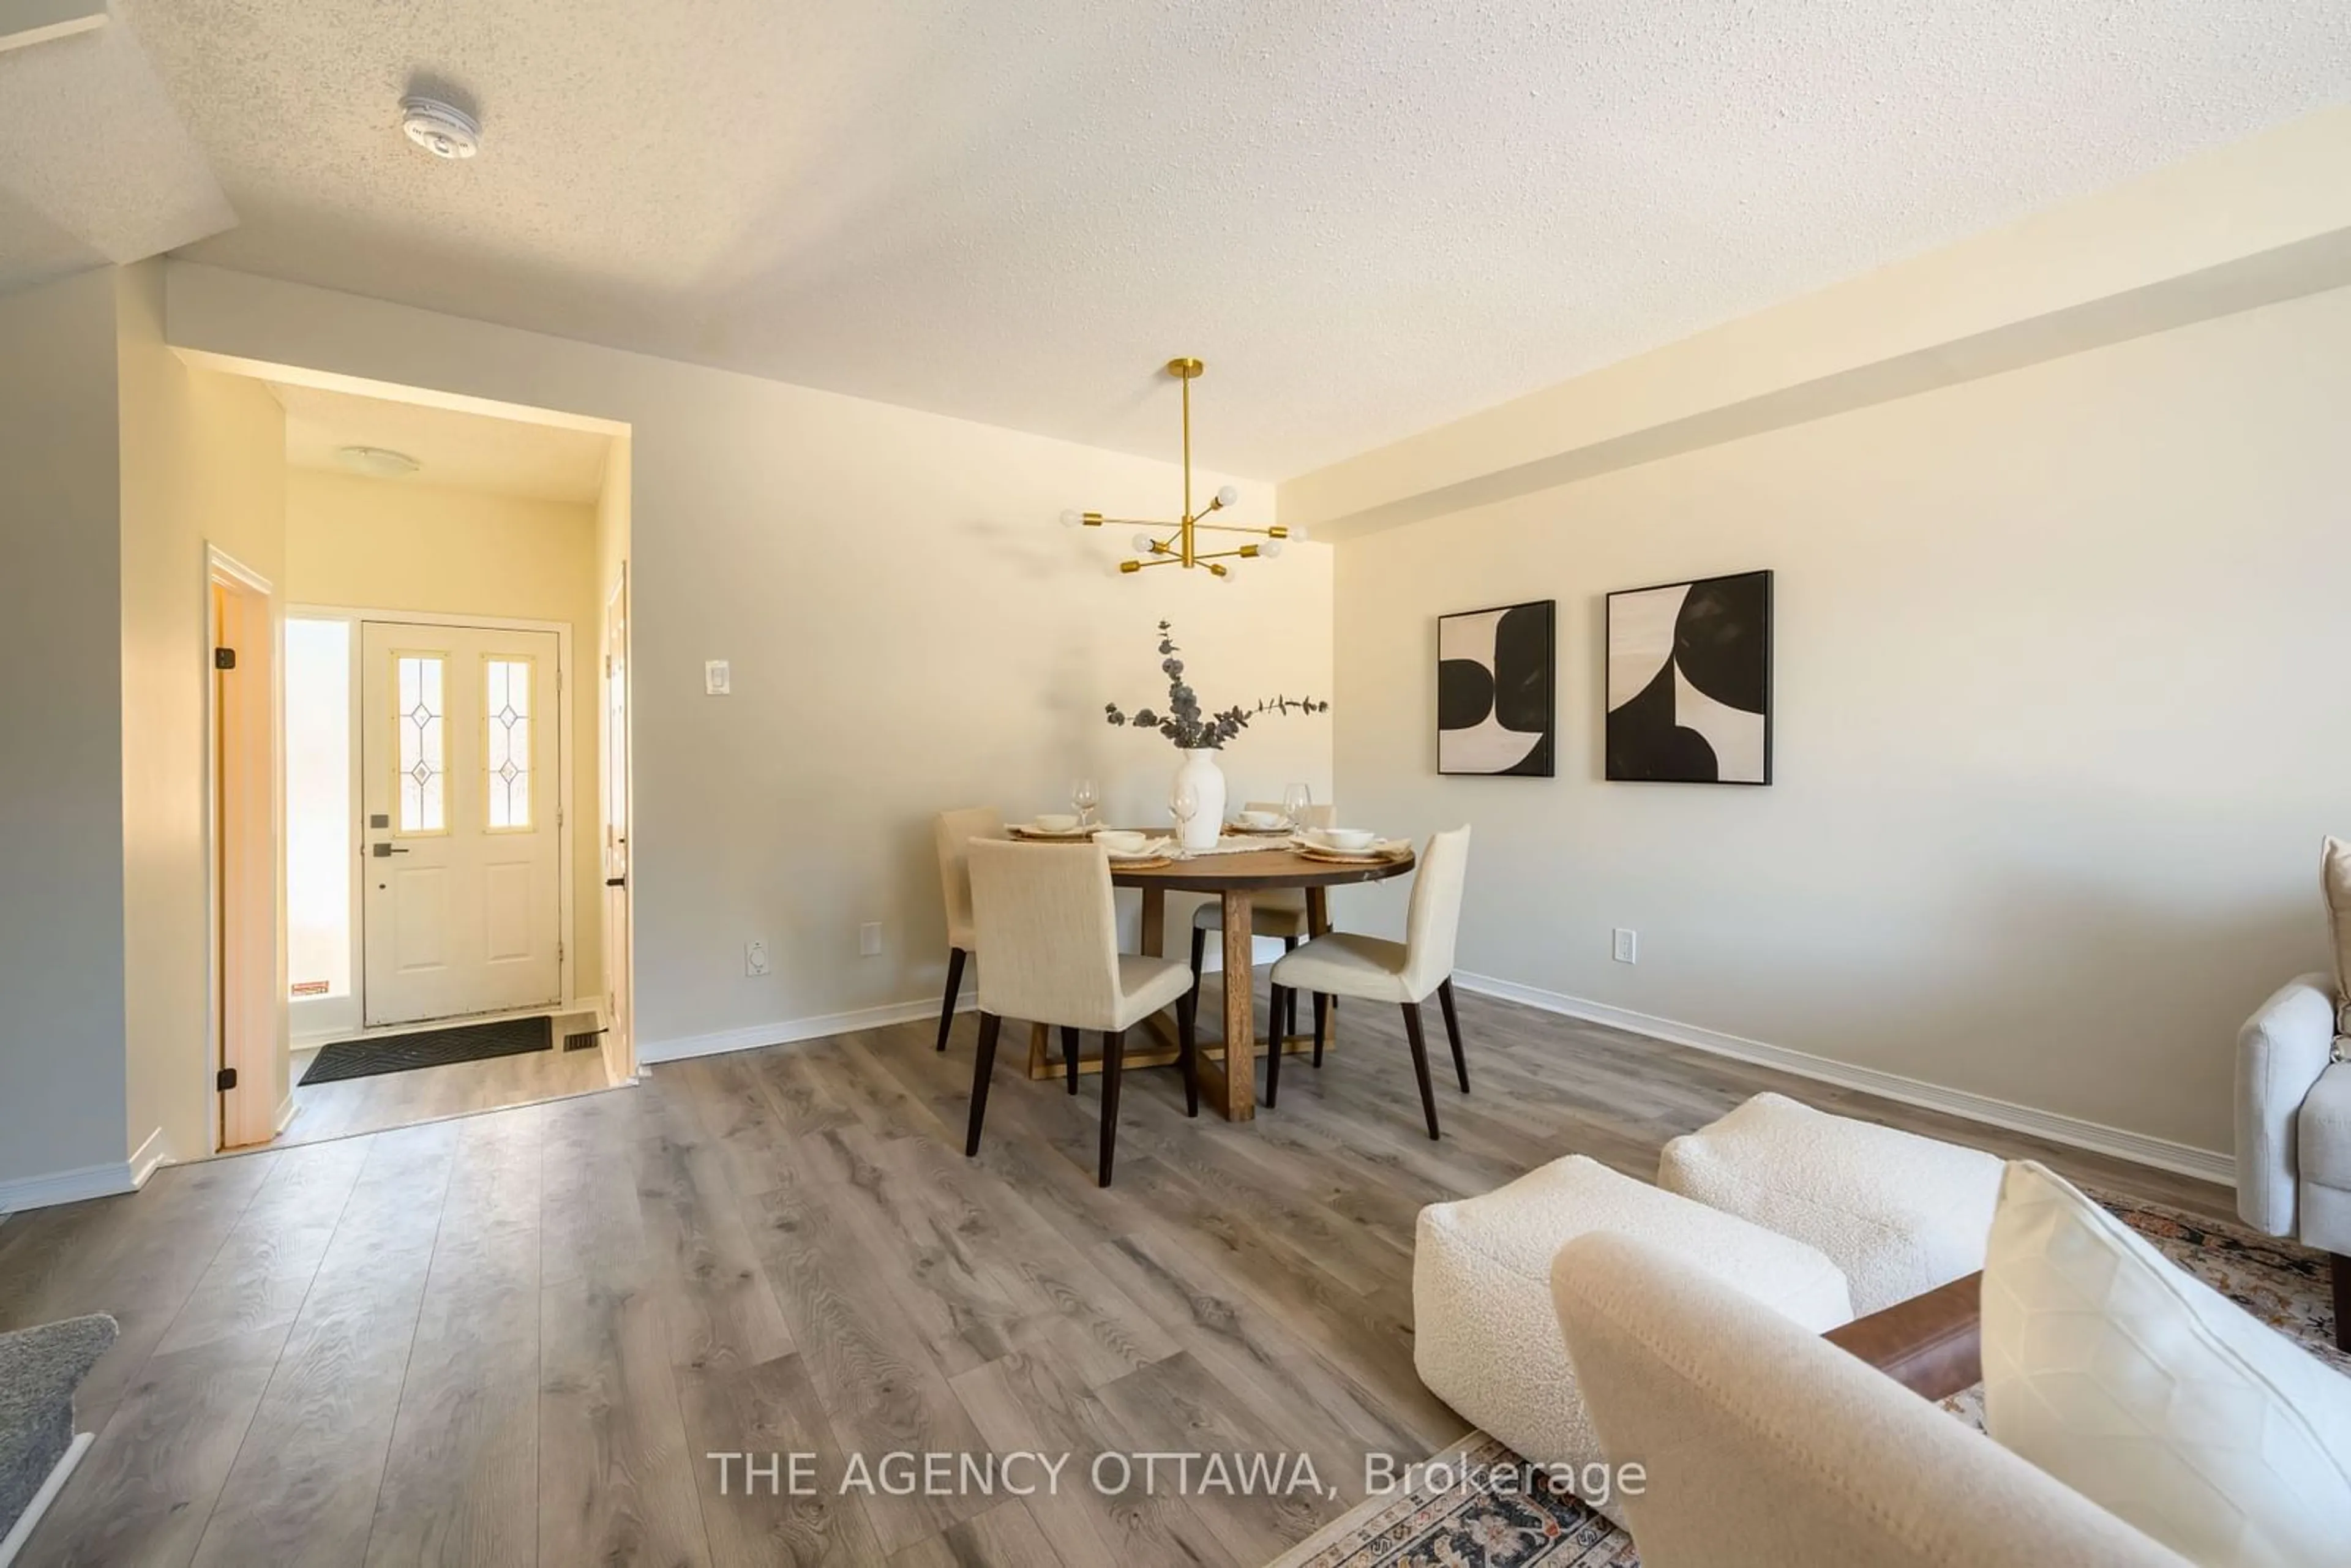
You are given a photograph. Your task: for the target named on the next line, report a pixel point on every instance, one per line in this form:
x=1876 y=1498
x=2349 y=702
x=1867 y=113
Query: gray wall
x=61 y=1010
x=2060 y=661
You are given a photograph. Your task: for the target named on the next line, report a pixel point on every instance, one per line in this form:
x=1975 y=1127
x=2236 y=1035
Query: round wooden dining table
x=1229 y=1072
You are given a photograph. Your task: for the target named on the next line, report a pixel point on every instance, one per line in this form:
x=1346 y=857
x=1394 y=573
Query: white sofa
x=1485 y=1337
x=1768 y=1447
x=1819 y=1217
x=2294 y=1129
x=1898 y=1213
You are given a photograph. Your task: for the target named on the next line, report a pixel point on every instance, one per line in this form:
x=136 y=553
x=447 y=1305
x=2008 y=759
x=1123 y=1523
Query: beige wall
x=2059 y=723
x=62 y=999
x=398 y=544
x=908 y=629
x=203 y=461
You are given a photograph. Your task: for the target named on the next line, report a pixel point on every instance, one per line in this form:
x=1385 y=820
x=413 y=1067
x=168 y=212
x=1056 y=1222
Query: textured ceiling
x=1367 y=220
x=463 y=451
x=95 y=165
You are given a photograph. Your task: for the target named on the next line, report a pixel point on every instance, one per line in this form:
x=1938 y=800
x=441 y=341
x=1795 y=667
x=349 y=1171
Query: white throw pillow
x=2150 y=1394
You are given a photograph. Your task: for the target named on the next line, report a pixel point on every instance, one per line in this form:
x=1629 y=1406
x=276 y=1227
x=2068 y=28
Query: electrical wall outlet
x=869 y=939
x=755 y=957
x=1624 y=948
x=717 y=680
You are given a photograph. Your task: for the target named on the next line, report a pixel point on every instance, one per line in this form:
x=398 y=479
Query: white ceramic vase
x=1199 y=770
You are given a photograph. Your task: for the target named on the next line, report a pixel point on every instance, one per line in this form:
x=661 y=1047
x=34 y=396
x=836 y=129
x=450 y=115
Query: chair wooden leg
x=982 y=1064
x=956 y=956
x=1200 y=956
x=1113 y=1053
x=1290 y=1019
x=1273 y=1052
x=1453 y=1031
x=2341 y=1266
x=1188 y=1047
x=1322 y=1024
x=1070 y=1054
x=1420 y=1063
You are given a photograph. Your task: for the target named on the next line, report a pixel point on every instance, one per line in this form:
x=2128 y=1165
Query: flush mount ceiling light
x=440 y=128
x=1174 y=544
x=377 y=462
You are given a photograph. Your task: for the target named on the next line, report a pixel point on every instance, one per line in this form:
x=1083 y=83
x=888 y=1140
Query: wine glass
x=1295 y=799
x=1082 y=797
x=1183 y=804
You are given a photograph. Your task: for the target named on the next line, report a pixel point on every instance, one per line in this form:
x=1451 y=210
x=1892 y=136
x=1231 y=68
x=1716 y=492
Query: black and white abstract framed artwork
x=1690 y=682
x=1495 y=674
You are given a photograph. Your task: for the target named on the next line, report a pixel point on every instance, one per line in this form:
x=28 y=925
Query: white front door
x=463 y=859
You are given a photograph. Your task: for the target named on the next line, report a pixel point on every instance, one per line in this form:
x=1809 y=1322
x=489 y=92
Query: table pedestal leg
x=1154 y=922
x=1230 y=1085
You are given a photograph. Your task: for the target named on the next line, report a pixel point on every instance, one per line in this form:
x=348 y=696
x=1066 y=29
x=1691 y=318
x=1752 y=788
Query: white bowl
x=1122 y=841
x=1347 y=841
x=1056 y=822
x=1259 y=819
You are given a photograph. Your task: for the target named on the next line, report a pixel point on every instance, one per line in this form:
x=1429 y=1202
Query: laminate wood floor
x=515 y=1337
x=373 y=1104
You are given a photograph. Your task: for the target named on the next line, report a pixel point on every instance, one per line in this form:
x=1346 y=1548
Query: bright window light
x=318 y=840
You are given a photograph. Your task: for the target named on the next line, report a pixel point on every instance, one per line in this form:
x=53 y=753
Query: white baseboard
x=2208 y=1164
x=285 y=1113
x=753 y=1036
x=51 y=1484
x=152 y=1150
x=86 y=1181
x=64 y=1186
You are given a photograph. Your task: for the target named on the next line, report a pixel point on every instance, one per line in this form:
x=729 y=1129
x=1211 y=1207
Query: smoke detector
x=377 y=462
x=440 y=128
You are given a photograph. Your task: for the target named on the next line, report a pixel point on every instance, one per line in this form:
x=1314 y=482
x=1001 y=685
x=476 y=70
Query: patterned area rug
x=1448 y=1523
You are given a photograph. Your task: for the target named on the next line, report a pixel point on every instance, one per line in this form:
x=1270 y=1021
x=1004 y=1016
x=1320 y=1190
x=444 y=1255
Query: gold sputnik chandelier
x=1178 y=543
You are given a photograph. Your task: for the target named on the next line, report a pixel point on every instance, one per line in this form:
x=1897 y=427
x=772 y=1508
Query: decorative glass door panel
x=461 y=858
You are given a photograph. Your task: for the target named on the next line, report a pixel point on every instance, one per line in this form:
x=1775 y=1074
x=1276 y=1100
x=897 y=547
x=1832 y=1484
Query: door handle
x=616 y=881
x=381 y=850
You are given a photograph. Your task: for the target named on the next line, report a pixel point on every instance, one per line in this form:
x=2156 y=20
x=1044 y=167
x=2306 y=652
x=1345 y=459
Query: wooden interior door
x=247 y=1026
x=619 y=1054
x=462 y=798
x=224 y=871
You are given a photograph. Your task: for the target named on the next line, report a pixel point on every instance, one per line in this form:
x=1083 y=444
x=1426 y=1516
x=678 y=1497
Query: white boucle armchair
x=2294 y=1129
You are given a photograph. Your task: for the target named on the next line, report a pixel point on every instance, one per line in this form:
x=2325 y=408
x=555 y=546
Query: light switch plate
x=869 y=939
x=718 y=681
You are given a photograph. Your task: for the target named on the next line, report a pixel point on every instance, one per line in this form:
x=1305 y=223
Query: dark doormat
x=429 y=1048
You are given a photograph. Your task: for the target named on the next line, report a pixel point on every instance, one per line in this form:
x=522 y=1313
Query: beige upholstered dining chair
x=1278 y=912
x=1343 y=964
x=955 y=830
x=1045 y=919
